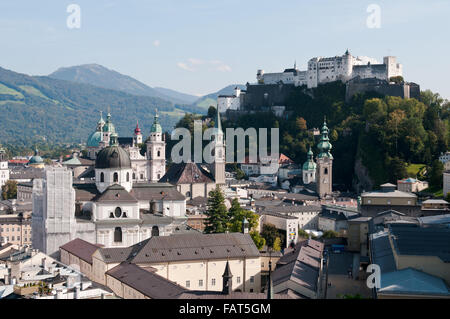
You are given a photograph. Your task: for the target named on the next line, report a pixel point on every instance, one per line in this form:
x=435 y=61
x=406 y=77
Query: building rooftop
x=420 y=241
x=81 y=248
x=187 y=173
x=410 y=281
x=145 y=281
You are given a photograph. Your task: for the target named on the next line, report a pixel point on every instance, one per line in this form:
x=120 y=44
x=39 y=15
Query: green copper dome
x=156 y=127
x=94 y=139
x=309 y=164
x=109 y=126
x=324 y=145
x=36 y=159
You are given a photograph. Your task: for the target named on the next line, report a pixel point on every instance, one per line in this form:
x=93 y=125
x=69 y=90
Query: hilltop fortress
x=360 y=74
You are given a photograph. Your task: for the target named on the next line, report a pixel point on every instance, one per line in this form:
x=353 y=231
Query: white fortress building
x=344 y=68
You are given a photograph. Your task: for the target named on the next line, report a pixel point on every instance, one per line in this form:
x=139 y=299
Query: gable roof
x=156 y=191
x=196 y=246
x=81 y=248
x=187 y=173
x=115 y=193
x=145 y=281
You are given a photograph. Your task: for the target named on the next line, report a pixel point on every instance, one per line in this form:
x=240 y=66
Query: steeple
x=137 y=130
x=227 y=280
x=218 y=124
x=156 y=127
x=270 y=282
x=114 y=139
x=324 y=145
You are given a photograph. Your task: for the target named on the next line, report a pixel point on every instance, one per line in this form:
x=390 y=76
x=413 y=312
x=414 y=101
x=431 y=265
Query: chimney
x=103 y=296
x=76 y=294
x=43 y=263
x=6 y=279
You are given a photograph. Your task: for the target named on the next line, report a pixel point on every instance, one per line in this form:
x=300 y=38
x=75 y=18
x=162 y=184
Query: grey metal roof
x=412 y=281
x=115 y=193
x=81 y=248
x=293 y=209
x=196 y=246
x=437 y=219
x=428 y=241
x=120 y=254
x=381 y=252
x=145 y=281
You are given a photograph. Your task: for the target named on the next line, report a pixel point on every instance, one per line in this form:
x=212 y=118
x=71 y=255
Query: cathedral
x=320 y=174
x=130 y=197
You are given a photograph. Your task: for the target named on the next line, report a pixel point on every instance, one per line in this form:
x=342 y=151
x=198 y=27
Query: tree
x=216 y=222
x=259 y=241
x=277 y=244
x=270 y=234
x=212 y=112
x=329 y=234
x=9 y=189
x=240 y=174
x=435 y=174
x=301 y=124
x=236 y=216
x=397 y=79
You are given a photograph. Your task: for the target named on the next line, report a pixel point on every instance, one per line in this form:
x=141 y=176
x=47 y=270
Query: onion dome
x=156 y=127
x=324 y=145
x=137 y=130
x=36 y=159
x=109 y=126
x=94 y=139
x=309 y=164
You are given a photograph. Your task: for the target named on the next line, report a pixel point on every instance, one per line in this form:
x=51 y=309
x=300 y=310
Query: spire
x=270 y=282
x=114 y=139
x=324 y=145
x=295 y=65
x=137 y=130
x=156 y=127
x=218 y=124
x=227 y=280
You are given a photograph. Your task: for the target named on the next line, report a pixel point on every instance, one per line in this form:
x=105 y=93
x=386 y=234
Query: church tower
x=137 y=138
x=324 y=171
x=218 y=167
x=156 y=152
x=309 y=169
x=108 y=128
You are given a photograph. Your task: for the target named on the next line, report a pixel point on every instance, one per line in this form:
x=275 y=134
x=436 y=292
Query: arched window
x=325 y=171
x=118 y=235
x=118 y=212
x=111 y=215
x=155 y=231
x=128 y=177
x=134 y=176
x=188 y=194
x=159 y=153
x=102 y=177
x=116 y=177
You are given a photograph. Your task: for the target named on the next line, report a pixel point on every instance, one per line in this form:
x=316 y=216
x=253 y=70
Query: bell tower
x=156 y=152
x=218 y=167
x=324 y=172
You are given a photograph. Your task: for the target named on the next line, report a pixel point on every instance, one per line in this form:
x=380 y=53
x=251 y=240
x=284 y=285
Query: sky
x=201 y=46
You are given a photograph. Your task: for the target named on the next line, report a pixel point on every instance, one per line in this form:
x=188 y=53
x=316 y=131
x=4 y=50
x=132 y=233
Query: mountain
x=98 y=75
x=36 y=108
x=211 y=99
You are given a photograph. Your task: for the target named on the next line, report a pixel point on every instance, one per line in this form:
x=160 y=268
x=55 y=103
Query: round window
x=118 y=212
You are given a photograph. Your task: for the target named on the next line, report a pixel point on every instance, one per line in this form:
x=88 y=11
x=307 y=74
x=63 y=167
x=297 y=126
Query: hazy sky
x=200 y=46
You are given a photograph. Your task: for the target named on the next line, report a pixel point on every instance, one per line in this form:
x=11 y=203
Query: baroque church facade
x=129 y=199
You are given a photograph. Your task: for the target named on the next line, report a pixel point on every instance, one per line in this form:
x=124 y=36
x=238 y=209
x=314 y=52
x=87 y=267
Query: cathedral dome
x=94 y=139
x=113 y=157
x=36 y=159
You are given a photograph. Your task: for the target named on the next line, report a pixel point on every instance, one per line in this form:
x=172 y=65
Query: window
x=111 y=215
x=118 y=235
x=159 y=153
x=128 y=177
x=325 y=171
x=213 y=282
x=200 y=283
x=102 y=177
x=252 y=279
x=155 y=231
x=134 y=176
x=188 y=194
x=238 y=280
x=142 y=176
x=188 y=283
x=118 y=212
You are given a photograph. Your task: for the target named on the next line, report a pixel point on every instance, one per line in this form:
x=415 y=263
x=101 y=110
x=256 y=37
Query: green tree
x=212 y=112
x=277 y=244
x=330 y=234
x=240 y=174
x=435 y=174
x=9 y=189
x=259 y=241
x=236 y=216
x=270 y=234
x=217 y=215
